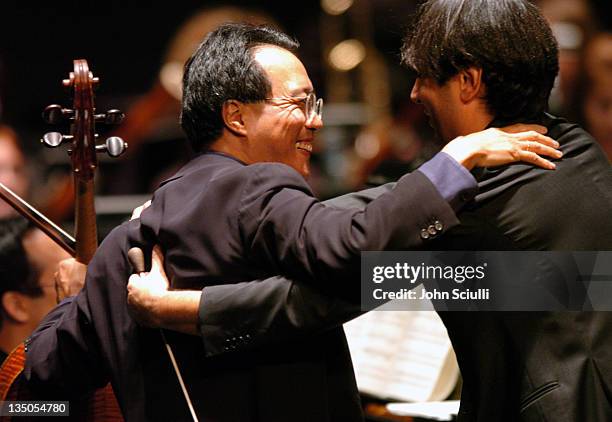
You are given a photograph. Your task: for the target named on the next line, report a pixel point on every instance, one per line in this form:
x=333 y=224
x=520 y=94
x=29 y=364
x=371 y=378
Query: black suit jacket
x=537 y=366
x=519 y=366
x=221 y=223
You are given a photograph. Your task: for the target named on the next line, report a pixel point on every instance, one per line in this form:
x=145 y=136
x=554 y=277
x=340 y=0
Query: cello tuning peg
x=68 y=82
x=54 y=139
x=114 y=146
x=94 y=79
x=55 y=114
x=114 y=117
x=111 y=117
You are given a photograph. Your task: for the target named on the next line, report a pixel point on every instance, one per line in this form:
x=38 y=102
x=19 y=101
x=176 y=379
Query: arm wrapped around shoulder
x=281 y=222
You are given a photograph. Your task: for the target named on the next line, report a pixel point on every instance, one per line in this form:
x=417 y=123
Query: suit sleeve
x=320 y=244
x=280 y=309
x=247 y=315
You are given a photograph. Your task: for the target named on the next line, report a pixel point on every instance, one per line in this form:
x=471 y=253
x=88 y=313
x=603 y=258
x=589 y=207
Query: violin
x=83 y=149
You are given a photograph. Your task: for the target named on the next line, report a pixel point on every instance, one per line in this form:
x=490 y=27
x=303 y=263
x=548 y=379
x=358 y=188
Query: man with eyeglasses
x=241 y=210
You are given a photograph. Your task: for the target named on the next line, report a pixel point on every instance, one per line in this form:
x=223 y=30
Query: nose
x=314 y=123
x=414 y=94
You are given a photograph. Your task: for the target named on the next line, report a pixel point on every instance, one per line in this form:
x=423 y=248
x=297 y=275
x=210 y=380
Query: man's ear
x=471 y=84
x=15 y=306
x=232 y=113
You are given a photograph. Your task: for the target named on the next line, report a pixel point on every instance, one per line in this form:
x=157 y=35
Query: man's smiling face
x=279 y=129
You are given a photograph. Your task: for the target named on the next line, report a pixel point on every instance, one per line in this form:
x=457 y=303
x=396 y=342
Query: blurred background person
x=13 y=170
x=594 y=91
x=573 y=23
x=28 y=262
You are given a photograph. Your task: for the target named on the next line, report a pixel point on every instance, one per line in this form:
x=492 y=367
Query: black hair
x=222 y=69
x=508 y=39
x=16 y=272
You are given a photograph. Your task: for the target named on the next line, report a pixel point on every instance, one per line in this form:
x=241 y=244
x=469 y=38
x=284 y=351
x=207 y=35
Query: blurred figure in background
x=28 y=262
x=594 y=92
x=13 y=169
x=386 y=148
x=572 y=23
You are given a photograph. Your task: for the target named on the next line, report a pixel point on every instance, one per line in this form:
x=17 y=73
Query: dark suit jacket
x=516 y=366
x=548 y=366
x=222 y=222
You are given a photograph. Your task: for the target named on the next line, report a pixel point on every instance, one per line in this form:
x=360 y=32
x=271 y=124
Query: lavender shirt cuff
x=453 y=181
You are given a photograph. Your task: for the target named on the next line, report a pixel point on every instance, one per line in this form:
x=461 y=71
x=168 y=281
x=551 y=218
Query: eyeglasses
x=313 y=107
x=32 y=291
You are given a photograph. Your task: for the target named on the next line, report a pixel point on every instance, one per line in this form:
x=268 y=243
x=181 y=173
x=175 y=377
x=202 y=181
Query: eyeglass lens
x=314 y=106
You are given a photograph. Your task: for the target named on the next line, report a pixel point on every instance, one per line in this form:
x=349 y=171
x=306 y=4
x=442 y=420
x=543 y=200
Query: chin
x=305 y=173
x=302 y=166
x=304 y=170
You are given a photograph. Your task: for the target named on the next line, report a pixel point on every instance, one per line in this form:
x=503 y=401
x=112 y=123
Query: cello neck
x=84 y=162
x=85 y=220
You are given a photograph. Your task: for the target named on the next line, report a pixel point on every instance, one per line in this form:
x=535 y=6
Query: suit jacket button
x=438 y=225
x=432 y=230
x=424 y=234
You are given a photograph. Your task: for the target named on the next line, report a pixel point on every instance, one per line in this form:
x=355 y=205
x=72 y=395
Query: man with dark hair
x=489 y=62
x=28 y=260
x=241 y=210
x=508 y=42
x=229 y=66
x=547 y=366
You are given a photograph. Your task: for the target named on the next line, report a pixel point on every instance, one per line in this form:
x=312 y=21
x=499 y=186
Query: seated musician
x=30 y=286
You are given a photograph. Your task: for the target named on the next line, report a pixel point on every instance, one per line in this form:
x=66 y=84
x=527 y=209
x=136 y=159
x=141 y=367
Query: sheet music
x=402 y=355
x=439 y=411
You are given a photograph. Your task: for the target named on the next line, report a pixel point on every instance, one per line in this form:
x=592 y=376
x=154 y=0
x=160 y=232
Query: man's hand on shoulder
x=495 y=147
